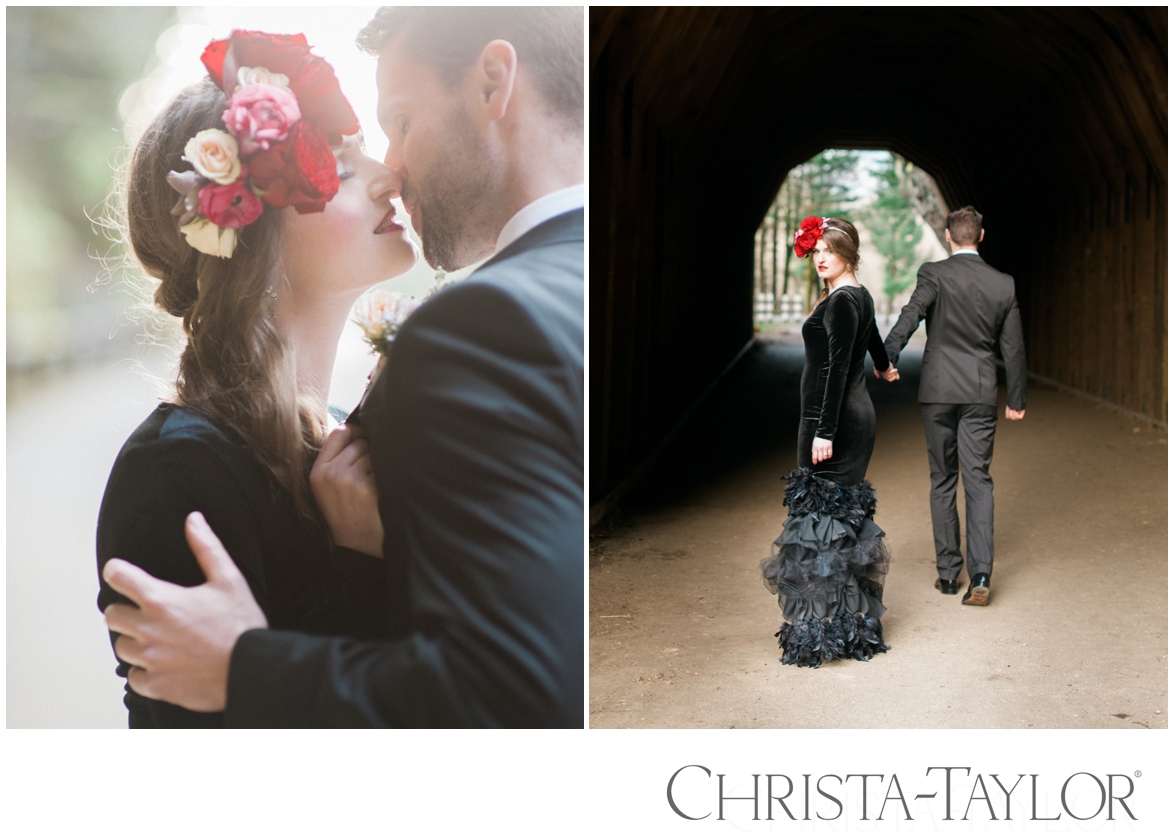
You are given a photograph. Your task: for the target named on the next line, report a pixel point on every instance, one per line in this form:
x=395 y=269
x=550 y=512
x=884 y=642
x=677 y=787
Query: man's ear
x=497 y=70
x=981 y=233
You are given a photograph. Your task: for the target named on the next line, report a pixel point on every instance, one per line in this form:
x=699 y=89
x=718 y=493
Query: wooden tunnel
x=1051 y=121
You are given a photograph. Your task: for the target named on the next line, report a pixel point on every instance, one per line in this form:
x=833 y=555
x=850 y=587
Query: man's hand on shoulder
x=1012 y=414
x=179 y=640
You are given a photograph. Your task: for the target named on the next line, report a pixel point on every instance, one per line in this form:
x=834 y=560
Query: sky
x=866 y=184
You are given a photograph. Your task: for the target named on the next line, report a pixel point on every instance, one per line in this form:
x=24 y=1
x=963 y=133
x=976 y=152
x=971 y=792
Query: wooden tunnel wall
x=1051 y=121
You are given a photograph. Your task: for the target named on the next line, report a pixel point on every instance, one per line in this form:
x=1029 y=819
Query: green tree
x=67 y=67
x=895 y=228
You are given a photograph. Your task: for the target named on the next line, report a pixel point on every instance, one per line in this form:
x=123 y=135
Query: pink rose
x=260 y=114
x=233 y=205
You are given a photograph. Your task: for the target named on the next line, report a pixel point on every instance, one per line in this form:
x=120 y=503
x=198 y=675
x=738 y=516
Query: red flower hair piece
x=285 y=111
x=810 y=231
x=311 y=78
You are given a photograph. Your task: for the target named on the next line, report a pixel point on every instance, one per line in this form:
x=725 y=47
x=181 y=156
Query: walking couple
x=421 y=564
x=831 y=560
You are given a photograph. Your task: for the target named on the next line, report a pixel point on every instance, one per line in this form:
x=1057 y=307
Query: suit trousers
x=961 y=436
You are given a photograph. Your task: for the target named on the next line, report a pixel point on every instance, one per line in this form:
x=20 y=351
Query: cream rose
x=214 y=154
x=207 y=238
x=246 y=76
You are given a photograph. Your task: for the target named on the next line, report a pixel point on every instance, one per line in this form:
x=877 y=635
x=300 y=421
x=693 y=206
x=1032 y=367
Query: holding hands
x=889 y=375
x=343 y=482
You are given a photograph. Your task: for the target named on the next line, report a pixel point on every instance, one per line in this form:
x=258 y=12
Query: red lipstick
x=389 y=222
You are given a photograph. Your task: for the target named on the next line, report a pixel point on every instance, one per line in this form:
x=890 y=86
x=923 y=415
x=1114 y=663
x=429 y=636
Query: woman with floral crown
x=252 y=204
x=830 y=562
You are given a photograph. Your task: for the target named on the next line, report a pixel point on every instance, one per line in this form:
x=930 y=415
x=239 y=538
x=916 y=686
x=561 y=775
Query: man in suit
x=970 y=310
x=475 y=426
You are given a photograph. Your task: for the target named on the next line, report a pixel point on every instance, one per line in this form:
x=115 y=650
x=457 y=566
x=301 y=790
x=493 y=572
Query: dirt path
x=1075 y=636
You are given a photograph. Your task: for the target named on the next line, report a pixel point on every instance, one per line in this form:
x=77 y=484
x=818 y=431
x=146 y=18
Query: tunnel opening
x=895 y=205
x=1051 y=121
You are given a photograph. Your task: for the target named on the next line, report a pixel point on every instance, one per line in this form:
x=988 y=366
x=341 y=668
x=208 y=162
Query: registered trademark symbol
x=1137 y=774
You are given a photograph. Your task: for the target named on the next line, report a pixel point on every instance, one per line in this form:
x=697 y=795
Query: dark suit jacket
x=969 y=308
x=476 y=435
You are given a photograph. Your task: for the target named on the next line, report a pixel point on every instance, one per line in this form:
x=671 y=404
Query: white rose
x=214 y=154
x=208 y=238
x=246 y=76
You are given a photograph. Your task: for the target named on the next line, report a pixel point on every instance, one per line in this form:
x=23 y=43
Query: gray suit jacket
x=476 y=436
x=969 y=308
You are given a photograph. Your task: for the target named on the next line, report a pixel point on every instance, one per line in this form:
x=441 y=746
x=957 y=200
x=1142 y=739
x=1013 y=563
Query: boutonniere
x=380 y=315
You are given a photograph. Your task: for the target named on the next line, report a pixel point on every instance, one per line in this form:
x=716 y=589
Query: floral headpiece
x=810 y=231
x=284 y=112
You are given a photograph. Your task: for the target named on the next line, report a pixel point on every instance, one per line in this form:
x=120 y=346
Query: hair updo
x=236 y=366
x=182 y=271
x=843 y=240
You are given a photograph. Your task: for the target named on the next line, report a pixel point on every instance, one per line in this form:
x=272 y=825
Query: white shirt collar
x=964 y=250
x=543 y=209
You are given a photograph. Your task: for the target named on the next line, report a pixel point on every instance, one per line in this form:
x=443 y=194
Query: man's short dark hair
x=965 y=225
x=548 y=41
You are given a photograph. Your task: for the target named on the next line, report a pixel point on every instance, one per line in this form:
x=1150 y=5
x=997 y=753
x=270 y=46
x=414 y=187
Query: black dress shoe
x=979 y=591
x=946 y=586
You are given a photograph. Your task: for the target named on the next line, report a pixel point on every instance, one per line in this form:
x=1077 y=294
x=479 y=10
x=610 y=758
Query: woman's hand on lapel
x=343 y=482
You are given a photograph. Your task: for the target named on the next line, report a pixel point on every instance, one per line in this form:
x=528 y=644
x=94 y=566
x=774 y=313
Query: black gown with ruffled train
x=830 y=562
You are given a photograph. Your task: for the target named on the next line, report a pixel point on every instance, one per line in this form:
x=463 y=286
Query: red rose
x=321 y=100
x=230 y=205
x=213 y=59
x=277 y=53
x=243 y=48
x=311 y=78
x=267 y=167
x=804 y=242
x=301 y=172
x=811 y=223
x=316 y=165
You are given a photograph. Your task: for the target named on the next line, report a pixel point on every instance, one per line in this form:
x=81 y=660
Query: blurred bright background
x=82 y=83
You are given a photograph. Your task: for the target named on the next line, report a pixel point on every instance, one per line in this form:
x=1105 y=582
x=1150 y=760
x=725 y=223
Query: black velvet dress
x=831 y=561
x=180 y=460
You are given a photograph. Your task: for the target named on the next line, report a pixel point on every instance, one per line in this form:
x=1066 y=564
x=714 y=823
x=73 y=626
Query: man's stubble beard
x=456 y=199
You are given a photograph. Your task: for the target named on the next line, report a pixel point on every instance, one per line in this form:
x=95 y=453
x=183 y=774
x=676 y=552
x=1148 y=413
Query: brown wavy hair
x=235 y=365
x=842 y=240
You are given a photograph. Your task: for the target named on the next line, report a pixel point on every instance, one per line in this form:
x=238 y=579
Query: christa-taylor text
x=946 y=793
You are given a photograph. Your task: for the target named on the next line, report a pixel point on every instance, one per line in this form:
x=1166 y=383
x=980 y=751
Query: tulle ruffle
x=828 y=572
x=812 y=641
